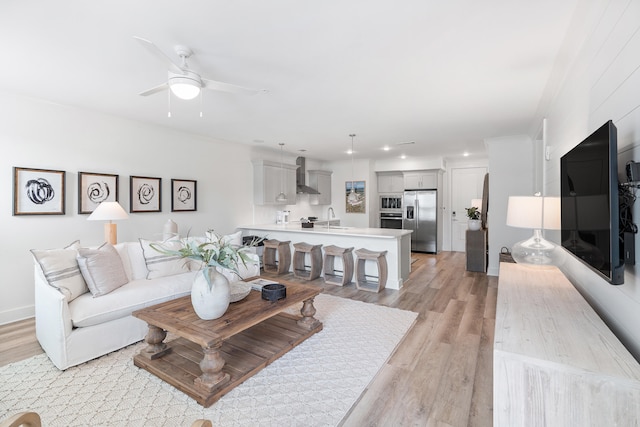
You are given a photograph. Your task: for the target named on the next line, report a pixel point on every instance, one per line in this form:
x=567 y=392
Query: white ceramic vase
x=474 y=224
x=210 y=294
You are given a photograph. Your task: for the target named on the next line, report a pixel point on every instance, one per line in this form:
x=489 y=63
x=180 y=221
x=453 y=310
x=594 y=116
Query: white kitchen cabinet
x=421 y=180
x=320 y=180
x=269 y=179
x=390 y=182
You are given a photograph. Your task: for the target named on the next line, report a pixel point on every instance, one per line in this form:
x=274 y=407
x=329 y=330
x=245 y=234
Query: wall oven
x=391 y=220
x=391 y=202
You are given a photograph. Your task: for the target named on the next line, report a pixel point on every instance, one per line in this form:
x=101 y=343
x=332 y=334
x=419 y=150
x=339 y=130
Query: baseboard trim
x=10 y=316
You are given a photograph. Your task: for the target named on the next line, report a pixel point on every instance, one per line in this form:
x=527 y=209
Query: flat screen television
x=589 y=203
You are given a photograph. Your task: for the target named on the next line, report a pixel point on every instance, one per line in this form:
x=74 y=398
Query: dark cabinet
x=476 y=249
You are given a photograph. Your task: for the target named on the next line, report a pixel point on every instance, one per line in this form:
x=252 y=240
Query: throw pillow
x=61 y=269
x=235 y=239
x=102 y=269
x=159 y=264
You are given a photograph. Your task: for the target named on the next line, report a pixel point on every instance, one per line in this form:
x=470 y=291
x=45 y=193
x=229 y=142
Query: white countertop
x=387 y=233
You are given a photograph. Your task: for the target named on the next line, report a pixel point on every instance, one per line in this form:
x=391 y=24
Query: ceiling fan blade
x=228 y=87
x=156 y=89
x=155 y=51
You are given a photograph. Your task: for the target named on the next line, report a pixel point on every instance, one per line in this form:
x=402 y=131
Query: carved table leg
x=155 y=346
x=211 y=367
x=308 y=310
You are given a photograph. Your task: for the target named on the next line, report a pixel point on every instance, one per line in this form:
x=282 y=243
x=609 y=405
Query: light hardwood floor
x=440 y=374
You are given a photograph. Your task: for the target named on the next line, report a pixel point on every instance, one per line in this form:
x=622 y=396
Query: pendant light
x=352 y=198
x=281 y=197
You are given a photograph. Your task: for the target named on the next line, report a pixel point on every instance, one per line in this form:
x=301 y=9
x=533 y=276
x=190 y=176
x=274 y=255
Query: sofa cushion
x=123 y=251
x=137 y=261
x=159 y=264
x=235 y=239
x=61 y=270
x=102 y=269
x=88 y=311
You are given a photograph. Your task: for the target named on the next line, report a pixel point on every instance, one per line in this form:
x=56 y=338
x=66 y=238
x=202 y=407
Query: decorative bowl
x=274 y=291
x=239 y=290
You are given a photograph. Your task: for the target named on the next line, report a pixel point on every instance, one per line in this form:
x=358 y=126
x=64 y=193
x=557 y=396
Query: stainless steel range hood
x=301 y=172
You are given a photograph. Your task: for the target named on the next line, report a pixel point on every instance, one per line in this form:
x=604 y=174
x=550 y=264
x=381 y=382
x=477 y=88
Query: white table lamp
x=537 y=213
x=109 y=211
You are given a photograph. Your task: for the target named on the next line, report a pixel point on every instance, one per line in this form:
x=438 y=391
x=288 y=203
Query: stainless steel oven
x=390 y=202
x=391 y=220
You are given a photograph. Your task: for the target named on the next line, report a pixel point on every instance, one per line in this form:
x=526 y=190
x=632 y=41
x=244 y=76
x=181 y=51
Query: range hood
x=301 y=173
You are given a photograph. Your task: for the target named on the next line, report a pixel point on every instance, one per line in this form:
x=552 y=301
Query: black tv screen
x=589 y=203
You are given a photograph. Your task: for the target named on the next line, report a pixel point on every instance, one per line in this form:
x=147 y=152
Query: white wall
x=510 y=174
x=601 y=82
x=342 y=172
x=38 y=134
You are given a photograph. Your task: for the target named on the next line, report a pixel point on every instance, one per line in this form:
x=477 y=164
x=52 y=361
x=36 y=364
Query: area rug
x=314 y=384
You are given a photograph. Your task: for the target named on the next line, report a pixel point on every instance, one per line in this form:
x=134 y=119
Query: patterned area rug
x=314 y=384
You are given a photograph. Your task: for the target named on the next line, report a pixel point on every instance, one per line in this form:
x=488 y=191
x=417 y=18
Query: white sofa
x=73 y=329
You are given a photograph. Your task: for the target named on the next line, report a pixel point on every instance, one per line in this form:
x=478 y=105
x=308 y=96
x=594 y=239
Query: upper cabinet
x=321 y=181
x=269 y=179
x=421 y=180
x=390 y=182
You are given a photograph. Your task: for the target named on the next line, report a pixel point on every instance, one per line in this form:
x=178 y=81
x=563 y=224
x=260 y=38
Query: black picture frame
x=95 y=188
x=145 y=194
x=184 y=195
x=38 y=191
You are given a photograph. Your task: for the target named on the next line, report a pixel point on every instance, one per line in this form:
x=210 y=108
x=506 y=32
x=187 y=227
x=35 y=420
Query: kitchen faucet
x=330 y=214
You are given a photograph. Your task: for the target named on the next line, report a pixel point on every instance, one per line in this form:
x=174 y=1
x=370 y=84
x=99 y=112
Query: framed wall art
x=144 y=194
x=38 y=191
x=95 y=188
x=183 y=195
x=360 y=204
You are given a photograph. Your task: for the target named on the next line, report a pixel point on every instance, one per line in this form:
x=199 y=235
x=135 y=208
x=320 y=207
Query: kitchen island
x=397 y=243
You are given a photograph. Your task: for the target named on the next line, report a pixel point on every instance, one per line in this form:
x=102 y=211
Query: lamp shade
x=534 y=212
x=551 y=213
x=524 y=212
x=108 y=211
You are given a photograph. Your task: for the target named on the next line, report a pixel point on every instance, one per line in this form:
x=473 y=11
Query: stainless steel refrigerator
x=420 y=216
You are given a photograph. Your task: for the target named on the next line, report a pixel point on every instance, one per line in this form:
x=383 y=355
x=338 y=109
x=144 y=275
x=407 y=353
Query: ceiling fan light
x=184 y=88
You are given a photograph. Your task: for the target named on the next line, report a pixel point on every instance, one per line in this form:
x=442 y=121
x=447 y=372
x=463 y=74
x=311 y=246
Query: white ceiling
x=445 y=74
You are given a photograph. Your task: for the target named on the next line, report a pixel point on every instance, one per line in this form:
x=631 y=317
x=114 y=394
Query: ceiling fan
x=184 y=82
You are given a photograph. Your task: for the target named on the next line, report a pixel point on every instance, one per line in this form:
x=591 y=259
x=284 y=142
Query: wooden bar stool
x=364 y=255
x=330 y=273
x=315 y=261
x=282 y=249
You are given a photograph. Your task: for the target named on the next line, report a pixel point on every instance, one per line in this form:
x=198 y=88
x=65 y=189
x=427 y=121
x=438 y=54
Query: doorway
x=466 y=184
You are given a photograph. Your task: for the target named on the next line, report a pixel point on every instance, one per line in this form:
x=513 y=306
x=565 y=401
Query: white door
x=466 y=184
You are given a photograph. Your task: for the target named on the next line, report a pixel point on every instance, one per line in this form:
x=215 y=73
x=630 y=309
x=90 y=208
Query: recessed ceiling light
x=386 y=148
x=349 y=152
x=465 y=154
x=402 y=156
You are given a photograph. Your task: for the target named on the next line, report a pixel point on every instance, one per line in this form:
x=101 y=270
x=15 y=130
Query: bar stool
x=315 y=260
x=281 y=265
x=364 y=255
x=330 y=272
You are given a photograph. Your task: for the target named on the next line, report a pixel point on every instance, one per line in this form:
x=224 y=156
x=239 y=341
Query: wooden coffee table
x=211 y=357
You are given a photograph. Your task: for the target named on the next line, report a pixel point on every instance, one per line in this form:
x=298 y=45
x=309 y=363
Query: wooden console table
x=211 y=357
x=555 y=362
